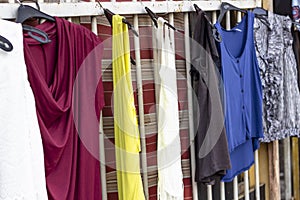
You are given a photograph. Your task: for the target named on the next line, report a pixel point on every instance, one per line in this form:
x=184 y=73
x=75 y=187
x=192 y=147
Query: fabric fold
x=170 y=183
x=64 y=75
x=127 y=138
x=212 y=156
x=243 y=94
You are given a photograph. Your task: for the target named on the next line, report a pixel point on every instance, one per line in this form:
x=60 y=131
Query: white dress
x=170 y=177
x=22 y=174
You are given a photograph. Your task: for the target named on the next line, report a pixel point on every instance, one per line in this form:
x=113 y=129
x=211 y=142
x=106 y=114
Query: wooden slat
x=222 y=191
x=239 y=16
x=295 y=162
x=274 y=178
x=141 y=108
x=8 y=11
x=209 y=192
x=235 y=188
x=214 y=17
x=190 y=106
x=246 y=185
x=228 y=25
x=268 y=4
x=257 y=179
x=273 y=148
x=287 y=168
x=264 y=168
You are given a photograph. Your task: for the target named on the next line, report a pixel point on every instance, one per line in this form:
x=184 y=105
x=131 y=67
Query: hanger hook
x=100 y=4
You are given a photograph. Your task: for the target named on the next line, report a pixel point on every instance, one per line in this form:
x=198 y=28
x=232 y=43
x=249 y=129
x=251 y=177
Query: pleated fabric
x=211 y=145
x=170 y=184
x=65 y=77
x=127 y=139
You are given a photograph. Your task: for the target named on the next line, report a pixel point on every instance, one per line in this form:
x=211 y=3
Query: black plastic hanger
x=154 y=18
x=5 y=44
x=108 y=14
x=26 y=12
x=197 y=8
x=263 y=20
x=44 y=39
x=215 y=32
x=227 y=7
x=261 y=14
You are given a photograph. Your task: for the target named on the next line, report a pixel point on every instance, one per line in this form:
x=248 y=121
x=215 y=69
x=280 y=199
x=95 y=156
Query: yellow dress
x=127 y=139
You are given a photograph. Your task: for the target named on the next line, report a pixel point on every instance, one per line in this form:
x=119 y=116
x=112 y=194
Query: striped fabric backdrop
x=104 y=31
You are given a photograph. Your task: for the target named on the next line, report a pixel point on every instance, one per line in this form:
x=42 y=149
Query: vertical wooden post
x=190 y=103
x=257 y=181
x=222 y=190
x=139 y=81
x=273 y=148
x=274 y=178
x=209 y=192
x=295 y=160
x=235 y=188
x=102 y=159
x=246 y=184
x=287 y=168
x=268 y=4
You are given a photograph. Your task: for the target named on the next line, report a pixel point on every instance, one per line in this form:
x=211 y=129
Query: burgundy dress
x=65 y=76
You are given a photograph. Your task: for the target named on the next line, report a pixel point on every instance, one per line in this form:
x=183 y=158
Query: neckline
x=245 y=19
x=48 y=27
